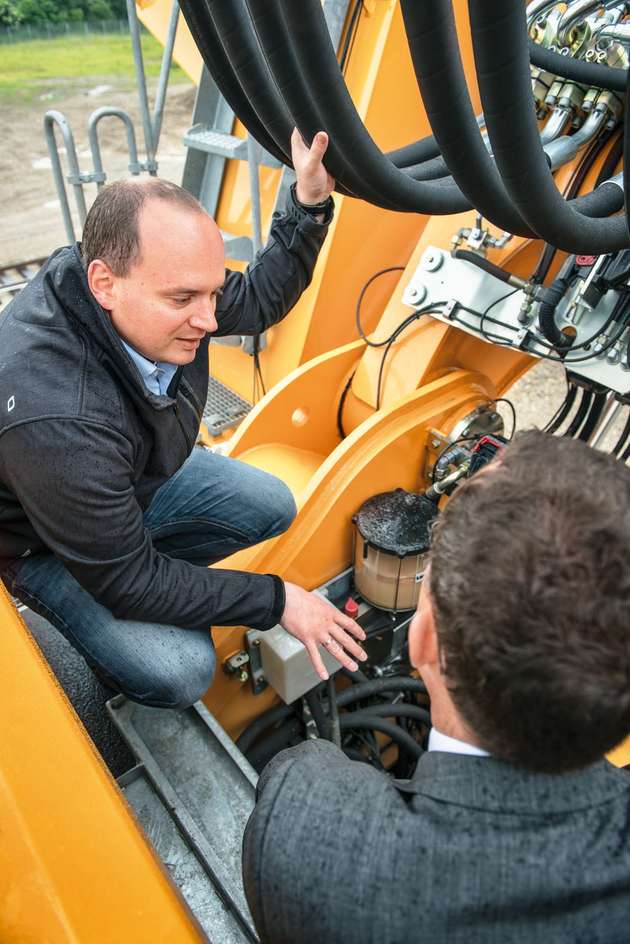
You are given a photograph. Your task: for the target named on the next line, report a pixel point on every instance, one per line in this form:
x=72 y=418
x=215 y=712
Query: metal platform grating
x=224 y=408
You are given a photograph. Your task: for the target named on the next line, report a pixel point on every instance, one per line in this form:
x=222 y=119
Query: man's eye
x=181 y=299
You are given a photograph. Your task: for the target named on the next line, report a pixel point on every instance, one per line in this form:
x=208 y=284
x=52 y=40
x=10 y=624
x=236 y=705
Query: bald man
x=109 y=514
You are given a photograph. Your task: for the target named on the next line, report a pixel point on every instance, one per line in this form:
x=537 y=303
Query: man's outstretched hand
x=314 y=183
x=315 y=622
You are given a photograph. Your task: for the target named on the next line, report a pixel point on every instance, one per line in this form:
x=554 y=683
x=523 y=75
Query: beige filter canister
x=392 y=540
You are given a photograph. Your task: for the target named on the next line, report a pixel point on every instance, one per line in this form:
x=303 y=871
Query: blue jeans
x=210 y=508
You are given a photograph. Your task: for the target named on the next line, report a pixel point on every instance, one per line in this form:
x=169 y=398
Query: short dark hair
x=530 y=582
x=111 y=233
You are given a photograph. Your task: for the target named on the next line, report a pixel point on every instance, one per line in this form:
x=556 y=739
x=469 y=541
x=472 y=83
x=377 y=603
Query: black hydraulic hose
x=399 y=709
x=395 y=683
x=435 y=54
x=277 y=44
x=586 y=73
x=582 y=410
x=335 y=724
x=318 y=713
x=262 y=753
x=499 y=31
x=365 y=169
x=417 y=153
x=564 y=410
x=482 y=263
x=364 y=721
x=546 y=314
x=428 y=170
x=611 y=160
x=599 y=402
x=626 y=454
x=253 y=731
x=203 y=31
x=622 y=439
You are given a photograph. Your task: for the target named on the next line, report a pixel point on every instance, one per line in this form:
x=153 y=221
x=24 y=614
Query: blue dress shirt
x=156 y=375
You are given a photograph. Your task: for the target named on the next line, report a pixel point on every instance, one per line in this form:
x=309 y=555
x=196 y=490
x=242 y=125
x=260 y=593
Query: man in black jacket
x=109 y=514
x=513 y=829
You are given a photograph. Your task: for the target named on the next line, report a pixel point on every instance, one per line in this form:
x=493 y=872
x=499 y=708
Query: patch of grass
x=27 y=69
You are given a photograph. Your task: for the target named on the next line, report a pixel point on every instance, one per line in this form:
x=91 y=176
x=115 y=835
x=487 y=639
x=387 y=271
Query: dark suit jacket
x=471 y=851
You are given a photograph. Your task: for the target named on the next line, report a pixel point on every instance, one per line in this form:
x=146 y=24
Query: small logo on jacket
x=10 y=404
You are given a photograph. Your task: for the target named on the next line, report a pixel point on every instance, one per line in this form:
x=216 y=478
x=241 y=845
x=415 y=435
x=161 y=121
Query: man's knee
x=282 y=509
x=177 y=682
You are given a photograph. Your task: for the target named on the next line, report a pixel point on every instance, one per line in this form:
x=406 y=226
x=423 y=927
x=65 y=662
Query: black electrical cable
x=363 y=720
x=577 y=70
x=626 y=454
x=599 y=402
x=622 y=439
x=393 y=337
x=363 y=168
x=563 y=410
x=357 y=313
x=499 y=32
x=435 y=53
x=342 y=403
x=513 y=413
x=626 y=156
x=580 y=415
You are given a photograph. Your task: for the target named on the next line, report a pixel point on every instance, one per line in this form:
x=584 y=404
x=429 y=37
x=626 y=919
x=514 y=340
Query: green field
x=29 y=69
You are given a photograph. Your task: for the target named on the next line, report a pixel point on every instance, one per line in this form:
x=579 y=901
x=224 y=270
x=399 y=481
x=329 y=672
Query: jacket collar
x=65 y=274
x=487 y=784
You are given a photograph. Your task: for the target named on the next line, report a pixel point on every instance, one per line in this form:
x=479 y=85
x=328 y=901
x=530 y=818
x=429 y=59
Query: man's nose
x=203 y=317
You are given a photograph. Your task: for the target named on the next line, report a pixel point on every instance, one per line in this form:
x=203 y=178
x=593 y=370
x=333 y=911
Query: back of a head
x=530 y=581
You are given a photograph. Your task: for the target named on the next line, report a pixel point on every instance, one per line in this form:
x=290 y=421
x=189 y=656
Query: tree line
x=40 y=12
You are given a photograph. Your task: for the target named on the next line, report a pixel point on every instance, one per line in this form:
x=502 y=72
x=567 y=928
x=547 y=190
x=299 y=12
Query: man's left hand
x=314 y=183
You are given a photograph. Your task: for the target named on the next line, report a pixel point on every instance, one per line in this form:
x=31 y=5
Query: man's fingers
x=347 y=623
x=316 y=659
x=348 y=644
x=319 y=145
x=337 y=650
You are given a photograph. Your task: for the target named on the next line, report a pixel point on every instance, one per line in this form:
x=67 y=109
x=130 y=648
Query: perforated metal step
x=214 y=141
x=224 y=408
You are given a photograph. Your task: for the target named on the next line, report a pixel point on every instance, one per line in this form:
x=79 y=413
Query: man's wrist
x=318 y=211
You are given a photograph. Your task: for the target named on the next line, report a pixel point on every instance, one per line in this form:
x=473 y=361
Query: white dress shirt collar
x=449 y=745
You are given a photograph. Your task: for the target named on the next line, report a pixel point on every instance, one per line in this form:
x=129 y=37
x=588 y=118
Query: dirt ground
x=32 y=225
x=31 y=219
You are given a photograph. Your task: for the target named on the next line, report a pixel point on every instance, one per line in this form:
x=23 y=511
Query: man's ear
x=102 y=282
x=423 y=644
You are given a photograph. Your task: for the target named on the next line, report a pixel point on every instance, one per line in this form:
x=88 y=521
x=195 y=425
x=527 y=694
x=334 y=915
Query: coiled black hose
x=253 y=731
x=435 y=54
x=203 y=31
x=499 y=32
x=586 y=73
x=582 y=410
x=380 y=686
x=365 y=169
x=399 y=709
x=364 y=721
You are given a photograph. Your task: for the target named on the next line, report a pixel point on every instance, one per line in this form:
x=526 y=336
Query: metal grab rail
x=135 y=167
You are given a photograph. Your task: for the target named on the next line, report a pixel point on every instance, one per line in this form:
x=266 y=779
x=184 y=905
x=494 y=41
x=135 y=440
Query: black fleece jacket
x=84 y=445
